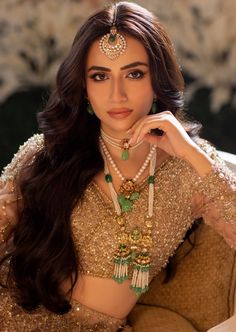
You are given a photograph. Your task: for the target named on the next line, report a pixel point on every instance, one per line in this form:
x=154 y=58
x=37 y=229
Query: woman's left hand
x=175 y=140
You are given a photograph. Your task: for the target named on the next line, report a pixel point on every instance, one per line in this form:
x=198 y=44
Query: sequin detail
x=79 y=319
x=96 y=235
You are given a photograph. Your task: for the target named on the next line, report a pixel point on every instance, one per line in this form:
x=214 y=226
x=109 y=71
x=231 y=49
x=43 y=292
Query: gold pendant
x=127 y=188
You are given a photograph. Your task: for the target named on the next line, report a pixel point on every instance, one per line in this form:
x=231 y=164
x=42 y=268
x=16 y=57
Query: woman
x=92 y=208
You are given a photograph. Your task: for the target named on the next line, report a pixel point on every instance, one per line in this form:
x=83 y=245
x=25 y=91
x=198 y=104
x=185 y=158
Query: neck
x=115 y=135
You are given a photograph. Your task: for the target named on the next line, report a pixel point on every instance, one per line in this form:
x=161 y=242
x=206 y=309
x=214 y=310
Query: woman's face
x=120 y=90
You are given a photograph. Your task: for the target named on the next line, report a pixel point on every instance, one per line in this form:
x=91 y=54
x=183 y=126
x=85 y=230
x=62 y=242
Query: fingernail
x=131 y=141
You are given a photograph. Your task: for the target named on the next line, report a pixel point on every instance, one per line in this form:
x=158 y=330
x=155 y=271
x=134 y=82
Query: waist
x=104 y=295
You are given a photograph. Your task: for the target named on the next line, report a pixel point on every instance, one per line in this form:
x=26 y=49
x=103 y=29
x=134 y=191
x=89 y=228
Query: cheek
x=96 y=93
x=144 y=97
x=146 y=106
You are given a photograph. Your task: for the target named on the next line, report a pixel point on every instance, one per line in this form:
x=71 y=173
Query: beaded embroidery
x=91 y=220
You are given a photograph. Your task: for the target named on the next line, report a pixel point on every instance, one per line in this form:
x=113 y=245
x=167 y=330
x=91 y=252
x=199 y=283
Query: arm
x=10 y=197
x=8 y=210
x=212 y=184
x=214 y=198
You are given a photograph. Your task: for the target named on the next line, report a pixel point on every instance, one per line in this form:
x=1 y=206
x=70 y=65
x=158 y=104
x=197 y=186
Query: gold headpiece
x=112 y=44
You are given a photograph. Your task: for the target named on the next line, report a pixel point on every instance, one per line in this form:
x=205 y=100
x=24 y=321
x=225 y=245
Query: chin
x=116 y=130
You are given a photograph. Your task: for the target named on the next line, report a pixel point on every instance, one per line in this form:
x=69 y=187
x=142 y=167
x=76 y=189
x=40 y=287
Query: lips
x=119 y=113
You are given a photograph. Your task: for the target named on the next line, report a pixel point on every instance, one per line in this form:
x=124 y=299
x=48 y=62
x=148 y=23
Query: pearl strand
x=113 y=193
x=116 y=143
x=111 y=187
x=114 y=166
x=152 y=168
x=109 y=157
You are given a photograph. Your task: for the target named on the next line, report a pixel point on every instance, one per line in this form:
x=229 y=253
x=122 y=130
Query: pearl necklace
x=122 y=144
x=133 y=247
x=128 y=191
x=116 y=169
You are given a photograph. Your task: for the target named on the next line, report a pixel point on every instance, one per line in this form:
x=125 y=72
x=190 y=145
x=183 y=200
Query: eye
x=98 y=77
x=137 y=74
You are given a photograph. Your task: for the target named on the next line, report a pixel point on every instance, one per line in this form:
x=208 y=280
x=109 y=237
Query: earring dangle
x=154 y=107
x=90 y=109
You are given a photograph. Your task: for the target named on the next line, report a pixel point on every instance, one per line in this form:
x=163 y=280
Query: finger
x=143 y=123
x=152 y=139
x=153 y=116
x=136 y=125
x=148 y=126
x=137 y=134
x=161 y=142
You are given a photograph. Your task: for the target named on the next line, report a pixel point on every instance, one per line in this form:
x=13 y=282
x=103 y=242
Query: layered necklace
x=133 y=246
x=121 y=144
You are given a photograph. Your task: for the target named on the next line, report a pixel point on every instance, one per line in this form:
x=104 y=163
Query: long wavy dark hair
x=44 y=254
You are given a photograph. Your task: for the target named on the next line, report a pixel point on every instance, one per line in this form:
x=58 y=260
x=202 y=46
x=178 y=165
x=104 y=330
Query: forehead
x=135 y=51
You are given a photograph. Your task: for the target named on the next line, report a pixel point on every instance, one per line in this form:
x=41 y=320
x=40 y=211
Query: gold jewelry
x=154 y=107
x=122 y=144
x=134 y=246
x=112 y=44
x=90 y=109
x=128 y=192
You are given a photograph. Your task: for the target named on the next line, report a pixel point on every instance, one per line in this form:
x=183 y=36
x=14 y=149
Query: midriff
x=104 y=295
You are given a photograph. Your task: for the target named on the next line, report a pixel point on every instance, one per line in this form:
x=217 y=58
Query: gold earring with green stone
x=90 y=109
x=154 y=107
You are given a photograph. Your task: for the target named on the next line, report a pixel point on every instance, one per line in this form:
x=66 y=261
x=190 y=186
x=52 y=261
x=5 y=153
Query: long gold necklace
x=133 y=247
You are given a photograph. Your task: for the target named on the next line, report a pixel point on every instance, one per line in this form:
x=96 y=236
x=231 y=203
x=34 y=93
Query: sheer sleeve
x=10 y=197
x=214 y=198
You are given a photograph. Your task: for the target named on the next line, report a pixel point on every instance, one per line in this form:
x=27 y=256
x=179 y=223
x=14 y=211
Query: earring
x=154 y=107
x=90 y=109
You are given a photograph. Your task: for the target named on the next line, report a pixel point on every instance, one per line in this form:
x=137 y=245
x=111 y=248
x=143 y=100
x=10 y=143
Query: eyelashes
x=133 y=75
x=137 y=74
x=98 y=77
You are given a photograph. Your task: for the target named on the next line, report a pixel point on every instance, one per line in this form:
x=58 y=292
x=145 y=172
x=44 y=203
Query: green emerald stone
x=127 y=206
x=134 y=196
x=112 y=39
x=151 y=179
x=133 y=255
x=108 y=178
x=121 y=199
x=125 y=155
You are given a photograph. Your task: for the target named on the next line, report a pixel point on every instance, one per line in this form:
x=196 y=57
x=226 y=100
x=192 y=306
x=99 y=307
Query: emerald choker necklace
x=122 y=144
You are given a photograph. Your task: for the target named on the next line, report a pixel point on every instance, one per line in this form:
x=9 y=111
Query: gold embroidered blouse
x=180 y=197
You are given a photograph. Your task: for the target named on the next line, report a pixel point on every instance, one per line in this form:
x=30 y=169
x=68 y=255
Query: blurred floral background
x=35 y=35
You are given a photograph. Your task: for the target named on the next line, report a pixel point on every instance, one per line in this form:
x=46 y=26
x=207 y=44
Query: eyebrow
x=130 y=65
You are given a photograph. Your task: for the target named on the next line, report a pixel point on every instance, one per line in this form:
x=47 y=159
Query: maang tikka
x=112 y=44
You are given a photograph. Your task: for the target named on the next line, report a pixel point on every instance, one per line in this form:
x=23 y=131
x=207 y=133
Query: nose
x=117 y=91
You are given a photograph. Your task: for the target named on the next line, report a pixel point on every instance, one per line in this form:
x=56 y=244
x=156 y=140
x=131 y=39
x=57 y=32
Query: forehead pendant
x=112 y=44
